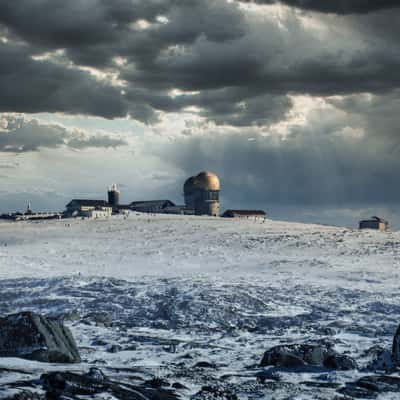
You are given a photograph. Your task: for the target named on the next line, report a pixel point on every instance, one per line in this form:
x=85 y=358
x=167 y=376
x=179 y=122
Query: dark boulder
x=68 y=385
x=281 y=357
x=301 y=355
x=35 y=337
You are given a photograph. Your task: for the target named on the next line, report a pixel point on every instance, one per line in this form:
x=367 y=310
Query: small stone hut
x=374 y=223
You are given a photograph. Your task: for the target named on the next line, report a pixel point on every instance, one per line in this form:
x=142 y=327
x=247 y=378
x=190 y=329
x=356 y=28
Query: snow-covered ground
x=178 y=290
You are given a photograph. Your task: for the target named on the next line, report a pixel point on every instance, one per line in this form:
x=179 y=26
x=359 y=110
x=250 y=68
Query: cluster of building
x=102 y=208
x=201 y=195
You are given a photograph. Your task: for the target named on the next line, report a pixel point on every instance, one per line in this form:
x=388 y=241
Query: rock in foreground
x=69 y=385
x=301 y=355
x=34 y=337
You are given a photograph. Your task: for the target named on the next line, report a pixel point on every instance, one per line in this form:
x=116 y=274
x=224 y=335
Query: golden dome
x=207 y=181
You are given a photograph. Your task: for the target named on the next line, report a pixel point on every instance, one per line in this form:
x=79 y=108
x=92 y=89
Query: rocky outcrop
x=35 y=337
x=69 y=385
x=301 y=355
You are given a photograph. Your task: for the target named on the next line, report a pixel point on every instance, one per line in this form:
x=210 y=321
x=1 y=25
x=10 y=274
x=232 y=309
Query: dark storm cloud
x=241 y=67
x=30 y=86
x=20 y=136
x=266 y=59
x=76 y=23
x=93 y=33
x=335 y=6
x=95 y=30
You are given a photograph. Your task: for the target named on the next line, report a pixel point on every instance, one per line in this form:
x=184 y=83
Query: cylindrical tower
x=207 y=200
x=202 y=193
x=113 y=195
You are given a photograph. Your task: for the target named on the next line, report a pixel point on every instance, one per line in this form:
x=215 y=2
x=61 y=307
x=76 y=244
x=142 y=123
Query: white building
x=102 y=213
x=88 y=208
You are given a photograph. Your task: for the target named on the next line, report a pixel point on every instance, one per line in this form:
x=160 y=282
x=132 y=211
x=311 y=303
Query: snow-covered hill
x=156 y=295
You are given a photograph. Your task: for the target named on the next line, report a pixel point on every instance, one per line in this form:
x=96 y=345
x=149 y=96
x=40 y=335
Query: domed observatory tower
x=202 y=193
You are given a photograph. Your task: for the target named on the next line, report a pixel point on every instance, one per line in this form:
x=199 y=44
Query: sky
x=294 y=104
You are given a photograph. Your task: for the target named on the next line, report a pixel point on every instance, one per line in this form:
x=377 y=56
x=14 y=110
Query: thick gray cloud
x=33 y=86
x=20 y=136
x=336 y=6
x=94 y=34
x=241 y=67
x=76 y=23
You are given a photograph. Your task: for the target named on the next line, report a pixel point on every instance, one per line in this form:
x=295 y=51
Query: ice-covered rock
x=300 y=355
x=35 y=337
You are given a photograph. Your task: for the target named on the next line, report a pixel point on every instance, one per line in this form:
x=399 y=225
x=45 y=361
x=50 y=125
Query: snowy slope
x=182 y=289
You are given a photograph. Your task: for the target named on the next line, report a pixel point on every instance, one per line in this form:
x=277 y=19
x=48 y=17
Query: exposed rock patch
x=301 y=355
x=68 y=384
x=35 y=337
